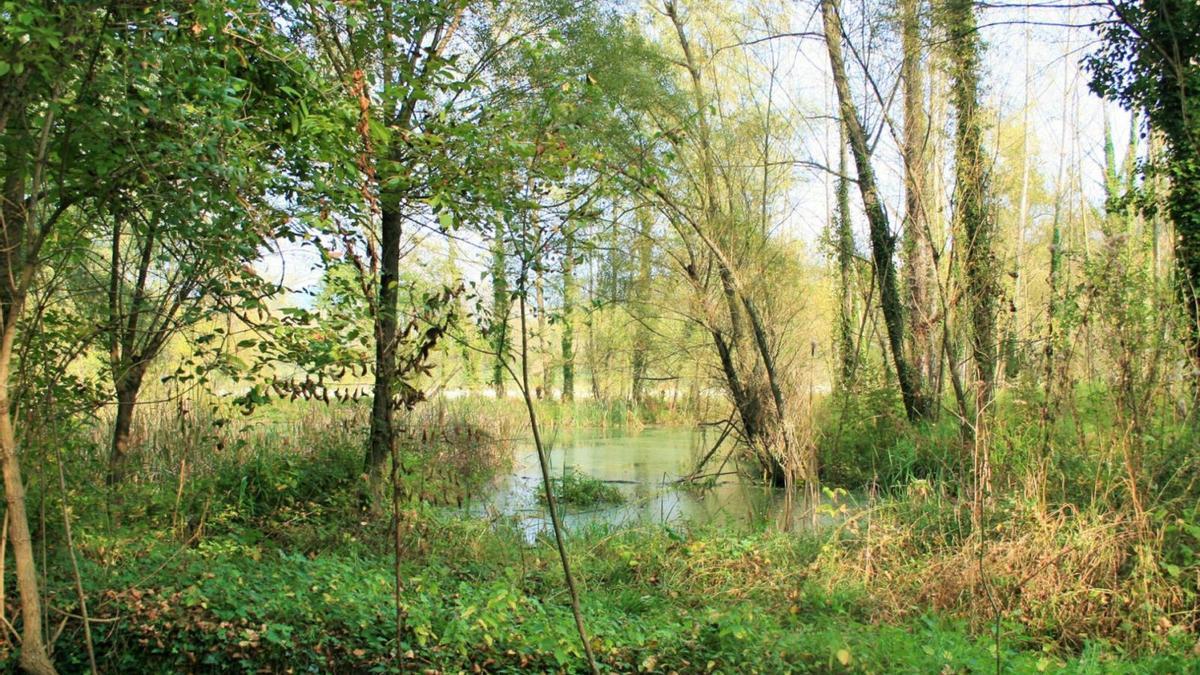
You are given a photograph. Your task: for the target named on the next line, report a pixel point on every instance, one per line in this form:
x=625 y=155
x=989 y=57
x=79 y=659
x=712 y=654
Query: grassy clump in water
x=579 y=489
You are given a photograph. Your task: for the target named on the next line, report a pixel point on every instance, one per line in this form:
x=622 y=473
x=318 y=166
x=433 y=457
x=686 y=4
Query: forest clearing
x=583 y=336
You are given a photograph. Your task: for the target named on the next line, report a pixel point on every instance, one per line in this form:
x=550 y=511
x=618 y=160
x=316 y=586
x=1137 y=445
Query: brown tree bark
x=34 y=658
x=128 y=387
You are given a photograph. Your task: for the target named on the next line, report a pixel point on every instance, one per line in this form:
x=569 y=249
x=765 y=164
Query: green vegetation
x=282 y=570
x=292 y=292
x=263 y=556
x=578 y=489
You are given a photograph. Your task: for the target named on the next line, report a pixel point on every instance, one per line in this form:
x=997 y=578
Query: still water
x=645 y=466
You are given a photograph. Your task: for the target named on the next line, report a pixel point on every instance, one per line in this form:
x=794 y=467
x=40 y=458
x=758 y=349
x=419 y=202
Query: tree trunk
x=844 y=243
x=590 y=322
x=34 y=657
x=500 y=305
x=747 y=399
x=1184 y=206
x=382 y=434
x=1158 y=192
x=1012 y=352
x=976 y=223
x=543 y=390
x=568 y=315
x=977 y=227
x=883 y=244
x=918 y=253
x=641 y=335
x=465 y=352
x=16 y=273
x=128 y=388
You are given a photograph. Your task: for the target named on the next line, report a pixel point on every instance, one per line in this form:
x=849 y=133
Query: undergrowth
x=256 y=553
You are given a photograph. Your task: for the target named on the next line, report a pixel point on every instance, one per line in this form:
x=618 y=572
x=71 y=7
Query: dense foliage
x=287 y=288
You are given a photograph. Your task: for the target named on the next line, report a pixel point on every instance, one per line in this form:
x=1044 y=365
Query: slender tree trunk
x=34 y=657
x=844 y=244
x=382 y=433
x=568 y=314
x=883 y=244
x=917 y=250
x=500 y=305
x=937 y=206
x=127 y=363
x=641 y=332
x=543 y=389
x=976 y=223
x=713 y=232
x=16 y=273
x=978 y=229
x=465 y=352
x=1159 y=192
x=1013 y=358
x=712 y=209
x=590 y=323
x=551 y=502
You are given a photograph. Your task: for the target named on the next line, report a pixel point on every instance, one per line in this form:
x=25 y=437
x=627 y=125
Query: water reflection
x=645 y=466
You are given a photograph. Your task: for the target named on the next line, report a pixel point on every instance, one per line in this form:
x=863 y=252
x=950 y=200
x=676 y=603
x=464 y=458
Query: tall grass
x=1091 y=532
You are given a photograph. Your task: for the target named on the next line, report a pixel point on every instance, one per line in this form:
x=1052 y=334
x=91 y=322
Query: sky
x=1043 y=45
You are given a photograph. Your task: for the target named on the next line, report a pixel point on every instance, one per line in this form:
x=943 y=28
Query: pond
x=645 y=466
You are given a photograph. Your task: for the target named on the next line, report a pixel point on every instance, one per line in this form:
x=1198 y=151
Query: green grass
x=266 y=560
x=579 y=489
x=655 y=601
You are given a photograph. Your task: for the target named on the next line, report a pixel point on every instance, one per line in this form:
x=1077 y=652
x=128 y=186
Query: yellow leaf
x=844 y=657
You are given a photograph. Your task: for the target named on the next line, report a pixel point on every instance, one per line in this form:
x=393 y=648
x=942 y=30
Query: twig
x=83 y=611
x=523 y=383
x=87 y=619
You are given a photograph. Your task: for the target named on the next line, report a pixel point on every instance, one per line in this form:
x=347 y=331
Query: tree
x=706 y=199
x=498 y=330
x=975 y=224
x=392 y=62
x=883 y=243
x=842 y=242
x=1149 y=60
x=63 y=67
x=918 y=244
x=184 y=230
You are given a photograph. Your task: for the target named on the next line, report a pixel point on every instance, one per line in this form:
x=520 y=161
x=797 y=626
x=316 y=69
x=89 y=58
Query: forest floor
x=272 y=566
